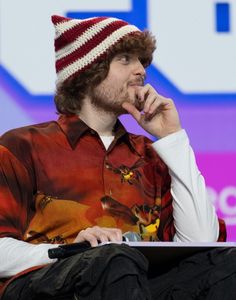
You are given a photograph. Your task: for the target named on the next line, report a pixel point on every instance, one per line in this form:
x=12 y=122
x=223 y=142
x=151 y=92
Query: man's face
x=125 y=76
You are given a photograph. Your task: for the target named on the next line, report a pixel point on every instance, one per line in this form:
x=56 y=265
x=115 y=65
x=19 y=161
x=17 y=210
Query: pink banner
x=219 y=170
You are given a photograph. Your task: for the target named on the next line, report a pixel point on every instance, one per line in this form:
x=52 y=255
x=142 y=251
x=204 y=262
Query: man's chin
x=120 y=111
x=115 y=110
x=139 y=105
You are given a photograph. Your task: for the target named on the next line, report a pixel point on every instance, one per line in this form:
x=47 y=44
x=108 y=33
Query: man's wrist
x=170 y=132
x=171 y=140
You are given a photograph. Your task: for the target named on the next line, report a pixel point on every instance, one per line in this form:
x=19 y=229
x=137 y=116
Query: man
x=85 y=178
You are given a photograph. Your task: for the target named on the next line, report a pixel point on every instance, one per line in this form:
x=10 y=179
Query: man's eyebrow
x=120 y=55
x=123 y=53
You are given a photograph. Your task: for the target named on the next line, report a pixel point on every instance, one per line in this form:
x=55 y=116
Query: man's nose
x=139 y=69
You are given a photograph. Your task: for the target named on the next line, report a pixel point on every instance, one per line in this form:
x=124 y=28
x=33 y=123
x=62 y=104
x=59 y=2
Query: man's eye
x=125 y=58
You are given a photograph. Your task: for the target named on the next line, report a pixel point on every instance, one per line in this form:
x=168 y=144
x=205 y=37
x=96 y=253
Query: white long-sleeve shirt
x=194 y=215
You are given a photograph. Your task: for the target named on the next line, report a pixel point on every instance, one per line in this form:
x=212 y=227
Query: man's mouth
x=136 y=83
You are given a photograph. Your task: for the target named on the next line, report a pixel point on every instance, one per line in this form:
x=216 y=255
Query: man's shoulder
x=25 y=134
x=26 y=130
x=143 y=145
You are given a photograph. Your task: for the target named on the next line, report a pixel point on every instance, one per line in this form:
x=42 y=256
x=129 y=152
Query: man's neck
x=102 y=122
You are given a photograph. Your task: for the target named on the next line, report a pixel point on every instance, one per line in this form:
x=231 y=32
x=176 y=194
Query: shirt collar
x=73 y=127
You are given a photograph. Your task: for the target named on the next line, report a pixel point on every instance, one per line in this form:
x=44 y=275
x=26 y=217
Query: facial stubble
x=110 y=99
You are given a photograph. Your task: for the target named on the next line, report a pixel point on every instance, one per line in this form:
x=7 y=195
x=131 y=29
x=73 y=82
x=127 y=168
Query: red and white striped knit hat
x=80 y=43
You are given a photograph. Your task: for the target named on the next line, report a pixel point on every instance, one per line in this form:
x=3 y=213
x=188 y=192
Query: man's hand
x=159 y=116
x=97 y=234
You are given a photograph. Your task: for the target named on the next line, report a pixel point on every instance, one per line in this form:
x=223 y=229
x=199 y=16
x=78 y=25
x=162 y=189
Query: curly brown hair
x=70 y=94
